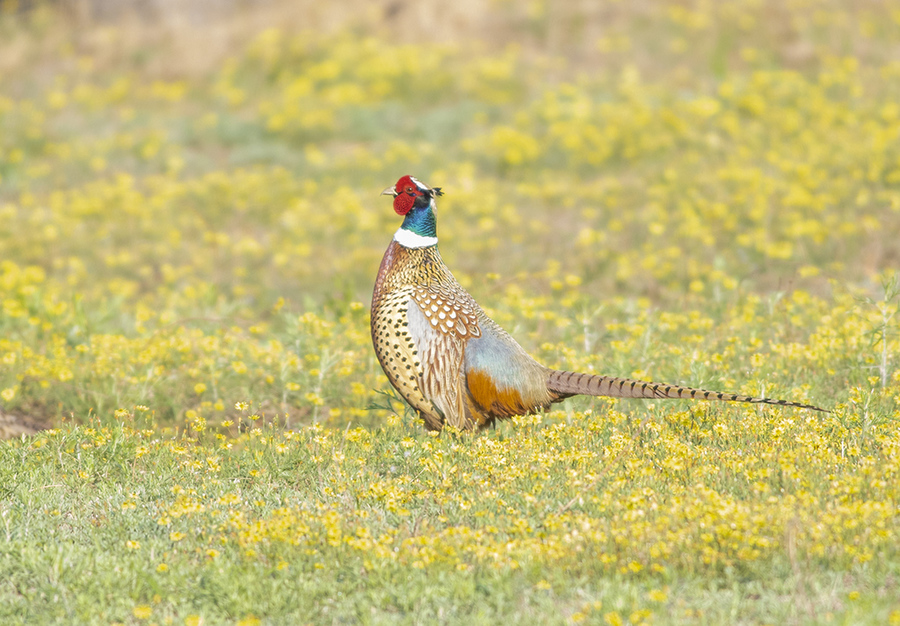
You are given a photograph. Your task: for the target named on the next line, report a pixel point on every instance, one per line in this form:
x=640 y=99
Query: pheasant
x=453 y=363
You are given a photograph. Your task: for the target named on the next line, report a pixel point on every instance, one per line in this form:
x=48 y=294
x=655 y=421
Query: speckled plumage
x=450 y=361
x=429 y=334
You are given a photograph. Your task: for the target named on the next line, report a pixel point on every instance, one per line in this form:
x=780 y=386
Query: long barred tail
x=571 y=383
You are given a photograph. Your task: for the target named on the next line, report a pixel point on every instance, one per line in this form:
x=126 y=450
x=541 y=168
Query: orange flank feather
x=490 y=399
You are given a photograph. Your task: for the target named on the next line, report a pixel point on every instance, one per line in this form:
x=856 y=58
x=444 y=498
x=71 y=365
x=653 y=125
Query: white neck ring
x=409 y=239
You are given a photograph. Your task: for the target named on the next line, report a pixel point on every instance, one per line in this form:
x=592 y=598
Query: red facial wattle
x=403 y=203
x=407 y=191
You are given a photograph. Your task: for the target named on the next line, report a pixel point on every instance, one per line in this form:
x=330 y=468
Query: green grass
x=705 y=194
x=523 y=522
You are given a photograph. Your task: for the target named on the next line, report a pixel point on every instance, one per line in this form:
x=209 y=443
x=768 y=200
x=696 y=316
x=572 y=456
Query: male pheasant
x=453 y=363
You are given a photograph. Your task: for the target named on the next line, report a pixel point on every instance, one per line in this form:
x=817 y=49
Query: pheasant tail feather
x=571 y=383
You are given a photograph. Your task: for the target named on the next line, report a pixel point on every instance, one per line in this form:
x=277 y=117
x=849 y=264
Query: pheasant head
x=415 y=202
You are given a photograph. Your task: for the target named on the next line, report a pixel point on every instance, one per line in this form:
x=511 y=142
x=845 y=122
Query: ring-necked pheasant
x=453 y=363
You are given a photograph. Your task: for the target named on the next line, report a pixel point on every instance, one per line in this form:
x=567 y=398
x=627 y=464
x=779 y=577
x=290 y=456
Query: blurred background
x=190 y=211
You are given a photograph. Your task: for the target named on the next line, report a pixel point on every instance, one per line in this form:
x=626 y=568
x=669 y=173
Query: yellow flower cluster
x=140 y=268
x=694 y=196
x=705 y=493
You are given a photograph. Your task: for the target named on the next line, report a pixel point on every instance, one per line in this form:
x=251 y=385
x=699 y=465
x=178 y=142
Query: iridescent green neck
x=421 y=221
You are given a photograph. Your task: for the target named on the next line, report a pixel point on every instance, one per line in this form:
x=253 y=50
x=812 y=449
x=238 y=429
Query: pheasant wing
x=450 y=311
x=441 y=321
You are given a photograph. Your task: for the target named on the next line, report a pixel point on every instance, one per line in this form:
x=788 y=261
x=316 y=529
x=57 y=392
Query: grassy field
x=703 y=193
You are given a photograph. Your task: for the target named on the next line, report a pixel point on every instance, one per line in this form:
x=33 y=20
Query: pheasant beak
x=390 y=191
